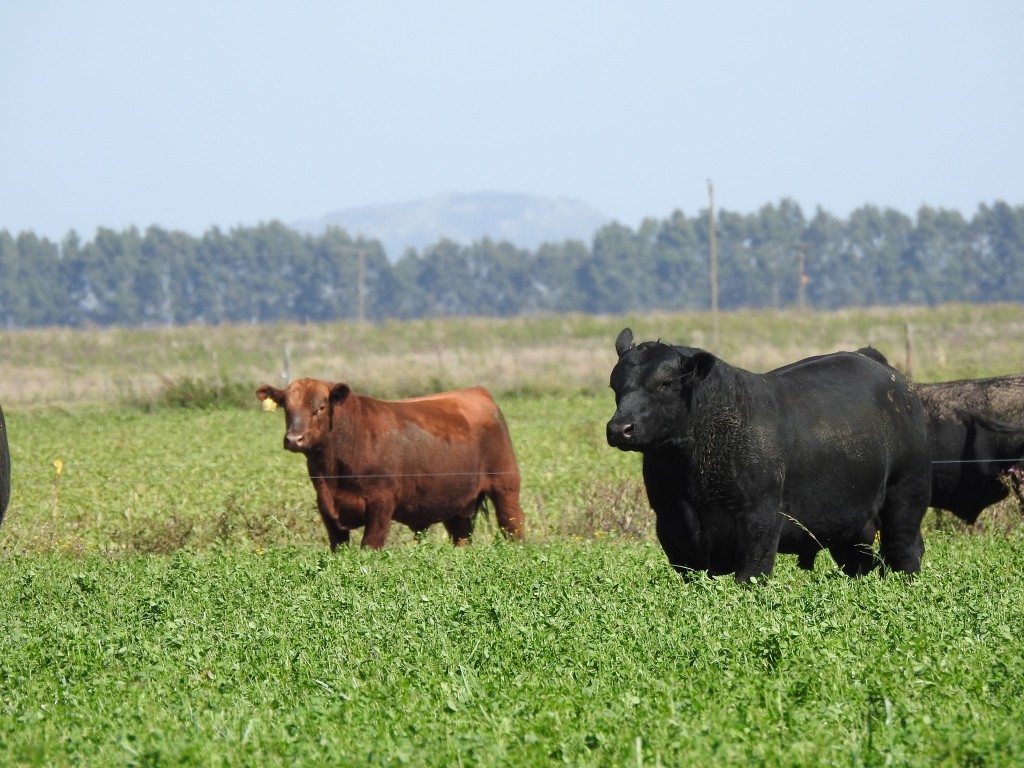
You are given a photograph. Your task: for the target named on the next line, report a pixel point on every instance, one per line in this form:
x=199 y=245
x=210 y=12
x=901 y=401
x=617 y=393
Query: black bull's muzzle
x=621 y=433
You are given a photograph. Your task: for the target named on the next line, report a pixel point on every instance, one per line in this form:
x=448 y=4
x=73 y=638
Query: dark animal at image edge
x=739 y=466
x=971 y=458
x=5 y=468
x=976 y=435
x=419 y=461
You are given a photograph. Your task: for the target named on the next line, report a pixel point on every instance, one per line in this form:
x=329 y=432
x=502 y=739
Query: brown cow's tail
x=482 y=506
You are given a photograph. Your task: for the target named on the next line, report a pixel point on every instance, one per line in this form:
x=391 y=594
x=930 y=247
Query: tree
x=776 y=243
x=271 y=273
x=941 y=244
x=681 y=278
x=613 y=278
x=999 y=244
x=13 y=302
x=552 y=273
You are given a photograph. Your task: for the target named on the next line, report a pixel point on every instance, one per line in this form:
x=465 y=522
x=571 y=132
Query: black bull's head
x=652 y=382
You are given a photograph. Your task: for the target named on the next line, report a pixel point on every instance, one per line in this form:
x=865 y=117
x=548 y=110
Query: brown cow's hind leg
x=460 y=529
x=509 y=514
x=337 y=535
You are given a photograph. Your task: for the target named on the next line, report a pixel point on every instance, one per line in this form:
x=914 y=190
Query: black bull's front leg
x=678 y=532
x=758 y=530
x=676 y=521
x=730 y=535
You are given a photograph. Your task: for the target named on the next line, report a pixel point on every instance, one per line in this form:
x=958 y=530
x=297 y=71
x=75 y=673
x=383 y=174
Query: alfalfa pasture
x=167 y=597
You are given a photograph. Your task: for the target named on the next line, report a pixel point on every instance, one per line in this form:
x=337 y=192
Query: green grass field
x=575 y=652
x=167 y=596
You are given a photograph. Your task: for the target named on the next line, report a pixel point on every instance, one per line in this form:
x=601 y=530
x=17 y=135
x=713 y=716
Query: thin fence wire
x=70 y=474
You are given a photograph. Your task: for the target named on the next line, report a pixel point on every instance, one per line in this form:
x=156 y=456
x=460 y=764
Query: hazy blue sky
x=192 y=114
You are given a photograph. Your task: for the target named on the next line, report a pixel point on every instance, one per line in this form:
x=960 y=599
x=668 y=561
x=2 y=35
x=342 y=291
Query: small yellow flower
x=269 y=405
x=59 y=465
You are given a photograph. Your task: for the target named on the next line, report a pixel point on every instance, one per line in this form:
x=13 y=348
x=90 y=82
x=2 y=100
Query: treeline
x=775 y=257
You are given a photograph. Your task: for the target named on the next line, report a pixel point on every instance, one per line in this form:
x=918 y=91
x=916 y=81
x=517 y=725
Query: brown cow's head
x=307 y=407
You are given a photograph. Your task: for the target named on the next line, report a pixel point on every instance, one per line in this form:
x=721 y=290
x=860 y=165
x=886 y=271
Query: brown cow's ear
x=624 y=342
x=277 y=395
x=339 y=392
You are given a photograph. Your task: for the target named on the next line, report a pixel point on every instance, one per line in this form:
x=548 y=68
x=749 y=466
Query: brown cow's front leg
x=378 y=523
x=336 y=532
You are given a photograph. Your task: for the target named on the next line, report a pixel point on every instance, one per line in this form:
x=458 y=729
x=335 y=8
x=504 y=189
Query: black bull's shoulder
x=817 y=454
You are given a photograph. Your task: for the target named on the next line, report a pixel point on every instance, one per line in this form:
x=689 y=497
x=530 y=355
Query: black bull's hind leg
x=901 y=544
x=854 y=559
x=858 y=557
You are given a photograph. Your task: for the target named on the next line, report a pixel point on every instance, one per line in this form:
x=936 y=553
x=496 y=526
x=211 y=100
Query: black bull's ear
x=624 y=341
x=696 y=368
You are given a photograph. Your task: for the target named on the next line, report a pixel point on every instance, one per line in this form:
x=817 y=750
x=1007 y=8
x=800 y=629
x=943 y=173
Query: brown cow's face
x=307 y=407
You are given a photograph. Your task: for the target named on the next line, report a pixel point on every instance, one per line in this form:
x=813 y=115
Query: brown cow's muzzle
x=294 y=442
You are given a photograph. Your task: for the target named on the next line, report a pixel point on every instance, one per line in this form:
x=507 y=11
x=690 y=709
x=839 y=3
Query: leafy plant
x=580 y=652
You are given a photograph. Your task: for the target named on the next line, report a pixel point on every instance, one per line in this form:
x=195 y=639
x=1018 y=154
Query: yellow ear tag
x=269 y=405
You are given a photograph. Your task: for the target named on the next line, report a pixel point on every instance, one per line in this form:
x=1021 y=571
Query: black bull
x=976 y=433
x=739 y=466
x=976 y=429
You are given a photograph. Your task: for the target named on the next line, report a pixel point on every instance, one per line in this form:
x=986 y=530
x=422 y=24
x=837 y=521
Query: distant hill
x=524 y=220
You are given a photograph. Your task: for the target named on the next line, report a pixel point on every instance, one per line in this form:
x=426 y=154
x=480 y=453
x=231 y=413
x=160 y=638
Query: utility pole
x=713 y=267
x=801 y=287
x=362 y=287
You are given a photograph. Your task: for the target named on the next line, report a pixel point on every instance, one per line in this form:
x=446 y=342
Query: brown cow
x=419 y=461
